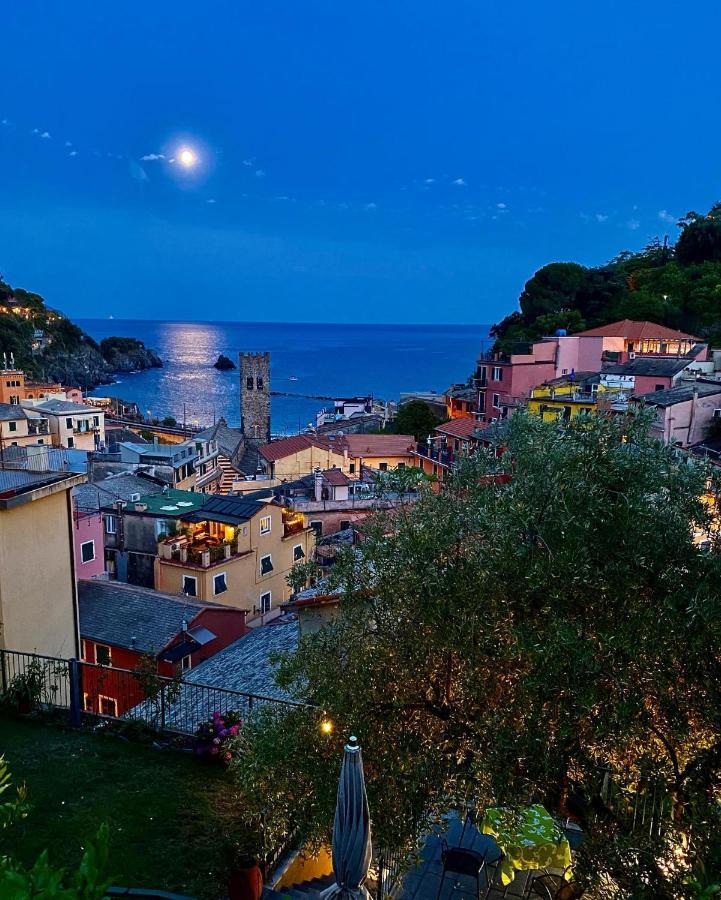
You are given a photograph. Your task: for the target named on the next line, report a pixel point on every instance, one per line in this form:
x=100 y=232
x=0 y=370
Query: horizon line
x=284 y=322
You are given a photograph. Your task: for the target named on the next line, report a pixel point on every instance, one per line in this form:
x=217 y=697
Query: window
x=298 y=552
x=497 y=373
x=12 y=426
x=351 y=468
x=401 y=466
x=717 y=414
x=220 y=585
x=383 y=467
x=259 y=383
x=71 y=442
x=190 y=586
x=186 y=663
x=497 y=400
x=249 y=382
x=564 y=371
x=87 y=551
x=266 y=601
x=96 y=421
x=317 y=526
x=68 y=423
x=103 y=655
x=41 y=441
x=266 y=565
x=108 y=706
x=265 y=524
x=111 y=524
x=659 y=387
x=344 y=523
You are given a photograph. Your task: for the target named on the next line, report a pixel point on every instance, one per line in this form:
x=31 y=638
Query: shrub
x=214 y=738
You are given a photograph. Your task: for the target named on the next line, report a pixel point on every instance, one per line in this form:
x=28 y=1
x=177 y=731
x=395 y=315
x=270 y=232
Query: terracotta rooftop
x=637 y=331
x=380 y=444
x=459 y=428
x=336 y=477
x=296 y=444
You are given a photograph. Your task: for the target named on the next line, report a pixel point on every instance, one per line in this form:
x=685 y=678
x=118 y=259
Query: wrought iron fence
x=391 y=865
x=106 y=692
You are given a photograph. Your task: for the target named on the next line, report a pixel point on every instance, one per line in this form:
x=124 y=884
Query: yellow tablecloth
x=529 y=839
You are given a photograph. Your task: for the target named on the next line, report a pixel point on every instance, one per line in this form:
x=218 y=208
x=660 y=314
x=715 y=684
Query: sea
x=305 y=359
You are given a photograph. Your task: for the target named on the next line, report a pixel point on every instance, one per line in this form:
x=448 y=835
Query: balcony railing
x=201 y=556
x=38 y=427
x=293 y=526
x=438 y=455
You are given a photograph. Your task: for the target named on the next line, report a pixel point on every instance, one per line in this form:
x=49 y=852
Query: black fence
x=31 y=681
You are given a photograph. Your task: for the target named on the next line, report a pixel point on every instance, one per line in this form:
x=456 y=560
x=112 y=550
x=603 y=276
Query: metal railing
x=391 y=865
x=106 y=692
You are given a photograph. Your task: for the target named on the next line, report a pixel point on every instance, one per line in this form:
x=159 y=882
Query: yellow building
x=236 y=551
x=566 y=397
x=20 y=427
x=294 y=457
x=38 y=603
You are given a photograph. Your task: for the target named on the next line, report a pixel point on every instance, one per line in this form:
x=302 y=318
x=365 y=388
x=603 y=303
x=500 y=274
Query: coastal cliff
x=46 y=344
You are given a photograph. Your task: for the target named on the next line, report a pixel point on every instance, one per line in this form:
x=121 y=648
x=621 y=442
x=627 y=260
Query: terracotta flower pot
x=246 y=884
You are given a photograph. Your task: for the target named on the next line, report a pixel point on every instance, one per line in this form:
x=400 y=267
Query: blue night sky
x=384 y=160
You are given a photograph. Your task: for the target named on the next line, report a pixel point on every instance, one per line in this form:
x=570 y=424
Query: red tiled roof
x=335 y=477
x=380 y=444
x=460 y=428
x=637 y=331
x=297 y=443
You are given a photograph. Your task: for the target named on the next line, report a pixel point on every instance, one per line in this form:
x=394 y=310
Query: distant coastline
x=325 y=360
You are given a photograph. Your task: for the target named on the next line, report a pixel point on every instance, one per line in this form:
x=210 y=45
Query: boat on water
x=292 y=378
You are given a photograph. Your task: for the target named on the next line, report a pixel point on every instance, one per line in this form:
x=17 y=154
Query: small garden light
x=326 y=726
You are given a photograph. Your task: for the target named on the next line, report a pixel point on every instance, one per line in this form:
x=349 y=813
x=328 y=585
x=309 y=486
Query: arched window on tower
x=249 y=382
x=256 y=430
x=259 y=382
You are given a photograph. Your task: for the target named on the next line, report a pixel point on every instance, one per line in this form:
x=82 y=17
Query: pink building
x=625 y=339
x=88 y=542
x=684 y=413
x=503 y=380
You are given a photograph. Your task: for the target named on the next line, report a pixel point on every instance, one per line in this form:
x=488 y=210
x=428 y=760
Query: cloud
x=633 y=224
x=429 y=181
x=501 y=206
x=370 y=207
x=210 y=200
x=259 y=173
x=248 y=162
x=36 y=131
x=460 y=182
x=68 y=143
x=665 y=216
x=45 y=134
x=151 y=157
x=73 y=153
x=600 y=217
x=4 y=122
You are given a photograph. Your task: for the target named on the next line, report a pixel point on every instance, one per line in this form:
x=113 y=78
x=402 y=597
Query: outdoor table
x=529 y=839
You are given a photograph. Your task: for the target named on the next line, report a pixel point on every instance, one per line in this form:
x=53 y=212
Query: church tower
x=255 y=397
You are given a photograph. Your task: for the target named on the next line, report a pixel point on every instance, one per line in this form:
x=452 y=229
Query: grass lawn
x=167 y=811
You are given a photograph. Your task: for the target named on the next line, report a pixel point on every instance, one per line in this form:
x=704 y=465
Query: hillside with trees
x=46 y=344
x=678 y=286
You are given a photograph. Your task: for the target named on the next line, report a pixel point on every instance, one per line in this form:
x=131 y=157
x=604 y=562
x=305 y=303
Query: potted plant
x=25 y=691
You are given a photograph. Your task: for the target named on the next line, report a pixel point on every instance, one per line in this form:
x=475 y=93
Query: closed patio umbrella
x=351 y=830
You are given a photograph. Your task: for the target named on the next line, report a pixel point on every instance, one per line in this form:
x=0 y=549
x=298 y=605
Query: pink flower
x=214 y=751
x=234 y=729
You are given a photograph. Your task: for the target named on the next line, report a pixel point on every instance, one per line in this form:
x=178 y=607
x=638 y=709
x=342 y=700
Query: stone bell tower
x=255 y=396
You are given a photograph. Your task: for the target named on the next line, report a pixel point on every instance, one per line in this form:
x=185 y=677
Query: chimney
x=318 y=484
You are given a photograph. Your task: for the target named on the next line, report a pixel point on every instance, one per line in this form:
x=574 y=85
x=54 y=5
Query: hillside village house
x=20 y=427
x=685 y=412
x=379 y=451
x=224 y=458
x=175 y=463
x=14 y=388
x=657 y=373
x=133 y=527
x=625 y=339
x=38 y=606
x=121 y=624
x=450 y=441
x=567 y=397
x=290 y=458
x=235 y=551
x=71 y=425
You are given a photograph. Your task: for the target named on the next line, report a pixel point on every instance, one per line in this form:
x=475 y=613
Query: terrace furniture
x=461 y=861
x=555 y=887
x=529 y=839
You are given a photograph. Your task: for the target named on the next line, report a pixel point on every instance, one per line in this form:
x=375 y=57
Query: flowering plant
x=213 y=737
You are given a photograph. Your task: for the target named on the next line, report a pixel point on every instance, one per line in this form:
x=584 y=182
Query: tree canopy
x=675 y=286
x=544 y=620
x=416 y=418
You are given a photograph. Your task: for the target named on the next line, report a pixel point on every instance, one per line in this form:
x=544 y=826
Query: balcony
x=38 y=426
x=438 y=455
x=203 y=553
x=293 y=523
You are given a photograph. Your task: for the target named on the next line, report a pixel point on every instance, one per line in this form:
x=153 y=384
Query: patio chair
x=550 y=886
x=461 y=861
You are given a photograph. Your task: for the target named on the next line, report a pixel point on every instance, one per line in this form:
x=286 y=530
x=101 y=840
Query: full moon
x=187 y=157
